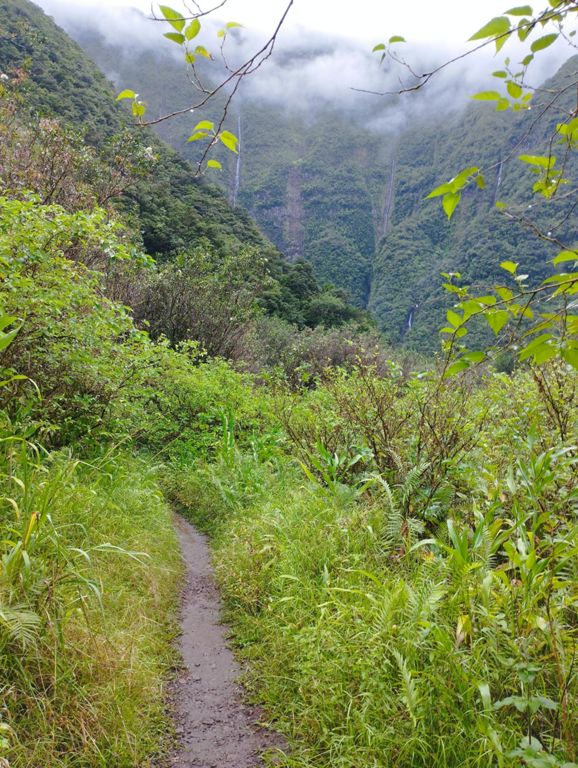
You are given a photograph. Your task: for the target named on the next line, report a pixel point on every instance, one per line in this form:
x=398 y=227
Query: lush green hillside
x=352 y=201
x=173 y=209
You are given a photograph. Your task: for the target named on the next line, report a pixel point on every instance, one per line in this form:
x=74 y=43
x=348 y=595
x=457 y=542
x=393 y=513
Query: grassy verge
x=372 y=645
x=85 y=685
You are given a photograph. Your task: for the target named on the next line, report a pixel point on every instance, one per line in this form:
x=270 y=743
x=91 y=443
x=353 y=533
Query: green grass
x=89 y=688
x=374 y=638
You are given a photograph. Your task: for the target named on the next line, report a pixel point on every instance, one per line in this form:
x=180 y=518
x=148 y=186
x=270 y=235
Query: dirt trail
x=215 y=727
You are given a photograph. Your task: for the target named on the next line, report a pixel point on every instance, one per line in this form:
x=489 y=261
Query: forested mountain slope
x=173 y=209
x=351 y=200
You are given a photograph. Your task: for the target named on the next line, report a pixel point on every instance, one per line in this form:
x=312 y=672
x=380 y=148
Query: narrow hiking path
x=215 y=727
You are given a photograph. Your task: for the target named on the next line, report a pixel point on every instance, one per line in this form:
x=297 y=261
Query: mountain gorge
x=345 y=188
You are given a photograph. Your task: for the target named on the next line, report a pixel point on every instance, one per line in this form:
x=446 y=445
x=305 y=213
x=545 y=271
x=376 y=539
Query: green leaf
x=500 y=73
x=450 y=202
x=570 y=354
x=454 y=319
x=126 y=94
x=509 y=266
x=176 y=37
x=198 y=135
x=441 y=190
x=514 y=89
x=565 y=256
x=174 y=18
x=138 y=108
x=497 y=26
x=528 y=350
x=457 y=367
x=520 y=10
x=229 y=140
x=215 y=164
x=193 y=29
x=378 y=47
x=7 y=338
x=487 y=96
x=202 y=51
x=232 y=24
x=204 y=125
x=475 y=357
x=540 y=160
x=397 y=39
x=190 y=58
x=528 y=59
x=497 y=319
x=543 y=42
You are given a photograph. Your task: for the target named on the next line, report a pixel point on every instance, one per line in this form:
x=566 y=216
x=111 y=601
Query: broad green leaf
x=500 y=73
x=7 y=338
x=204 y=125
x=457 y=367
x=138 y=108
x=214 y=164
x=459 y=181
x=487 y=96
x=565 y=256
x=475 y=357
x=190 y=58
x=450 y=202
x=229 y=140
x=514 y=89
x=221 y=33
x=198 y=135
x=540 y=160
x=529 y=349
x=174 y=18
x=570 y=354
x=509 y=266
x=528 y=59
x=504 y=293
x=202 y=51
x=520 y=10
x=193 y=29
x=126 y=94
x=453 y=318
x=543 y=42
x=397 y=39
x=176 y=37
x=233 y=24
x=441 y=190
x=497 y=319
x=378 y=47
x=497 y=26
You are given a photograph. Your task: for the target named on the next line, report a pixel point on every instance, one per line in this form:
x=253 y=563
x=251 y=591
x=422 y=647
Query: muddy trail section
x=215 y=728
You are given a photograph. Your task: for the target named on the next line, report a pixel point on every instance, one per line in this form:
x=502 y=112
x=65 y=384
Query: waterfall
x=498 y=181
x=237 y=178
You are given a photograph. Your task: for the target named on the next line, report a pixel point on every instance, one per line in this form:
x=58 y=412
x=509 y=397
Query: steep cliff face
x=323 y=186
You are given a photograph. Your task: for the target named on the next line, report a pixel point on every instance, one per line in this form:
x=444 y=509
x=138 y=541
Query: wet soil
x=215 y=727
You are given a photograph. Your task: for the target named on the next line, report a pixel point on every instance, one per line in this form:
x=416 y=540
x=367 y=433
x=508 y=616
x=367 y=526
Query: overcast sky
x=448 y=21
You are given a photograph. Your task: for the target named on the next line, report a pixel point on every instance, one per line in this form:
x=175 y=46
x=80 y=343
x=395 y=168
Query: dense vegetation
x=398 y=549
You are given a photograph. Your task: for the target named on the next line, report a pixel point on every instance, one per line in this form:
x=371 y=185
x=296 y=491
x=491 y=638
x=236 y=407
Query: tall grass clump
x=88 y=576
